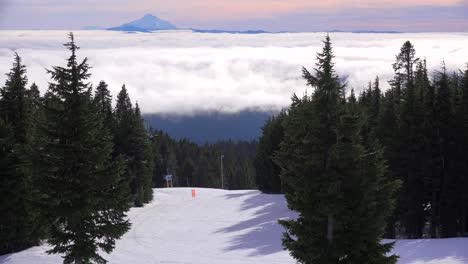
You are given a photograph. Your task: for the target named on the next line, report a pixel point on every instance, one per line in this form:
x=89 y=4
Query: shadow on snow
x=450 y=250
x=261 y=232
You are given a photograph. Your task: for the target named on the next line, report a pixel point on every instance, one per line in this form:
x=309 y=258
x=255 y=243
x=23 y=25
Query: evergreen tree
x=447 y=180
x=34 y=112
x=187 y=173
x=124 y=124
x=401 y=129
x=411 y=138
x=387 y=131
x=124 y=130
x=103 y=100
x=462 y=121
x=366 y=196
x=321 y=170
x=143 y=161
x=13 y=104
x=19 y=225
x=159 y=170
x=202 y=173
x=267 y=171
x=432 y=168
x=370 y=104
x=85 y=198
x=404 y=69
x=133 y=144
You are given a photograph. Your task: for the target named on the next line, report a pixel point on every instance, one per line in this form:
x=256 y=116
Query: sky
x=272 y=15
x=180 y=72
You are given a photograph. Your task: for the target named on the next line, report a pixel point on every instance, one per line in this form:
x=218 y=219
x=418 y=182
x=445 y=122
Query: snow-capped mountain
x=145 y=24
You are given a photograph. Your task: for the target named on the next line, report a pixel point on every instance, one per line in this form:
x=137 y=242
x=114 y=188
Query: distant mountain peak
x=148 y=22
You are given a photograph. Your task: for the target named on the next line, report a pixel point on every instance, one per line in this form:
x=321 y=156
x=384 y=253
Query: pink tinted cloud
x=226 y=14
x=230 y=9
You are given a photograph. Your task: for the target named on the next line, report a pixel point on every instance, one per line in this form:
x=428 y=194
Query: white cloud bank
x=183 y=72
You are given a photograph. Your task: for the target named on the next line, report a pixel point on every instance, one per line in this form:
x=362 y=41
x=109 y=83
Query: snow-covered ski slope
x=225 y=227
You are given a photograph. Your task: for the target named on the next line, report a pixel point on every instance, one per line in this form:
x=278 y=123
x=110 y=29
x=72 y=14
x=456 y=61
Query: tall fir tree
x=267 y=171
x=13 y=104
x=322 y=171
x=143 y=160
x=133 y=144
x=404 y=65
x=462 y=121
x=103 y=101
x=85 y=198
x=444 y=125
x=19 y=225
x=370 y=104
x=187 y=172
x=403 y=120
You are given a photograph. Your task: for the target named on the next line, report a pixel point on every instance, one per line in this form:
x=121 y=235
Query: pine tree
x=424 y=133
x=143 y=160
x=404 y=68
x=401 y=129
x=320 y=160
x=411 y=135
x=103 y=100
x=444 y=125
x=387 y=134
x=462 y=121
x=267 y=171
x=133 y=144
x=458 y=161
x=13 y=105
x=370 y=104
x=366 y=196
x=19 y=225
x=125 y=124
x=187 y=173
x=34 y=112
x=85 y=196
x=159 y=170
x=201 y=173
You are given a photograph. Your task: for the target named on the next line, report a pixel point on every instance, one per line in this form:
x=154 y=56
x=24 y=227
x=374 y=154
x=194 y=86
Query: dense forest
x=193 y=165
x=72 y=165
x=351 y=165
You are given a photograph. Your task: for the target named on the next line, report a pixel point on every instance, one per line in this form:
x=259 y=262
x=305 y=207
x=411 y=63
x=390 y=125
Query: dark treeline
x=422 y=122
x=72 y=165
x=195 y=165
x=383 y=164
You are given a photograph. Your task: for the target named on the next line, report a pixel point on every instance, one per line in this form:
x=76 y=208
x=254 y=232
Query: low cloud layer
x=183 y=72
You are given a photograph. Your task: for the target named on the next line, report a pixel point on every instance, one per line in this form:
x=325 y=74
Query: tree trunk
x=433 y=214
x=330 y=229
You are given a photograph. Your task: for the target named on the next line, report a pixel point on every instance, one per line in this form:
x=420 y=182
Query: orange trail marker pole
x=193 y=193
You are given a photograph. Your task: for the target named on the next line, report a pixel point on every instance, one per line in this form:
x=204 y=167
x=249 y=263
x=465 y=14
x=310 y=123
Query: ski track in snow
x=228 y=227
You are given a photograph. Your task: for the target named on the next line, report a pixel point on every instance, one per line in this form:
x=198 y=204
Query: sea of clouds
x=180 y=72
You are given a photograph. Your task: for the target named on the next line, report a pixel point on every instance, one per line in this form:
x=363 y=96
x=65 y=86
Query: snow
x=225 y=227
